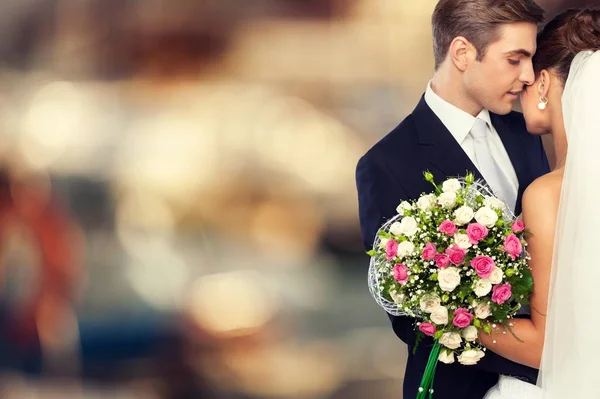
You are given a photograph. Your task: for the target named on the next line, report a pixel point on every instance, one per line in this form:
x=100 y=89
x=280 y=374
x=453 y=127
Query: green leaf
x=417 y=341
x=445 y=298
x=371 y=253
x=477 y=323
x=384 y=234
x=487 y=329
x=433 y=277
x=438 y=334
x=489 y=241
x=523 y=285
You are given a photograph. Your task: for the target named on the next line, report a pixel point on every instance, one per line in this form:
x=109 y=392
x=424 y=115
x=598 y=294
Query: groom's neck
x=448 y=84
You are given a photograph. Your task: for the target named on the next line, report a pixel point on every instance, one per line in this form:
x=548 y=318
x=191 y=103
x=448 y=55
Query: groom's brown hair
x=478 y=21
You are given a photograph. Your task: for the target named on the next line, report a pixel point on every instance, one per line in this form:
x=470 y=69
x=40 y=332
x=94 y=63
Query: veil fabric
x=571 y=356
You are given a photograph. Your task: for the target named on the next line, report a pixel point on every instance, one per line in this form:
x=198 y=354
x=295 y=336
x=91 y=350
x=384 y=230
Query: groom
x=483 y=51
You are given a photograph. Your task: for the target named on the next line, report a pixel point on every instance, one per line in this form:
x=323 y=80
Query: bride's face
x=496 y=81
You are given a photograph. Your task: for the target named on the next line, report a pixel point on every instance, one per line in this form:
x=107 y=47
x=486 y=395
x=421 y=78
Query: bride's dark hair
x=563 y=37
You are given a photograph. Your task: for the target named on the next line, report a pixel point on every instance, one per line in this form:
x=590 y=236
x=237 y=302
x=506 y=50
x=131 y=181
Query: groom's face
x=496 y=81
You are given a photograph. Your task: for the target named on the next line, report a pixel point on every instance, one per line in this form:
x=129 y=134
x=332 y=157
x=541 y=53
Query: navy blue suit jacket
x=392 y=171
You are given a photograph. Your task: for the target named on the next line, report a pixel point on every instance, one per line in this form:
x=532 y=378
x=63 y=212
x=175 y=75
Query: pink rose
x=517 y=226
x=429 y=251
x=427 y=329
x=512 y=245
x=442 y=261
x=462 y=318
x=456 y=254
x=484 y=265
x=476 y=232
x=391 y=249
x=447 y=227
x=400 y=274
x=501 y=293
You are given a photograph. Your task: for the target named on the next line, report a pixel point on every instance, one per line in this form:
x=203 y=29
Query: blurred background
x=178 y=215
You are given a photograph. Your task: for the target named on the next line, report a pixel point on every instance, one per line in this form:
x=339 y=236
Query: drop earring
x=543 y=100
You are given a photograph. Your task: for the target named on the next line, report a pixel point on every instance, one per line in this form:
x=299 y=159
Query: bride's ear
x=543 y=86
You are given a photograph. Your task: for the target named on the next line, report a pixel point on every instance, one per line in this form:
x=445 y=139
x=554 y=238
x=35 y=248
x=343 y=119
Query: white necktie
x=489 y=168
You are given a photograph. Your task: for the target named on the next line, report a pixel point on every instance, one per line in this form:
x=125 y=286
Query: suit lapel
x=439 y=146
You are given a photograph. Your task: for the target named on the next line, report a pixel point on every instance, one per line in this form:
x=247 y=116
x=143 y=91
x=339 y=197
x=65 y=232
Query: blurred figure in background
x=36 y=302
x=205 y=150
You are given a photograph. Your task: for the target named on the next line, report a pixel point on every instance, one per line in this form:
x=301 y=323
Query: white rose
x=383 y=243
x=493 y=202
x=486 y=216
x=463 y=215
x=470 y=357
x=449 y=278
x=451 y=186
x=404 y=206
x=470 y=333
x=426 y=202
x=405 y=248
x=398 y=298
x=409 y=226
x=429 y=302
x=447 y=200
x=396 y=229
x=482 y=287
x=462 y=240
x=439 y=315
x=482 y=311
x=451 y=340
x=496 y=276
x=446 y=357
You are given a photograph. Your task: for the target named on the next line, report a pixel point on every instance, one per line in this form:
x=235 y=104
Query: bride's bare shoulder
x=544 y=193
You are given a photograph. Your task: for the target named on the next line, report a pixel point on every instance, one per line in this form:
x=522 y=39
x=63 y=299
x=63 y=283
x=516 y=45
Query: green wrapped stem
x=426 y=385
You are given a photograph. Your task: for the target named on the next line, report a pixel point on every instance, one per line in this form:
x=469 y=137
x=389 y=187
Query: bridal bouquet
x=455 y=261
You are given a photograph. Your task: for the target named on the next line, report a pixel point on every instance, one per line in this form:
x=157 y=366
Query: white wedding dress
x=513 y=388
x=570 y=357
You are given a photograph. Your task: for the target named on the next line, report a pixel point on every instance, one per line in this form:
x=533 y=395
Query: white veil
x=571 y=357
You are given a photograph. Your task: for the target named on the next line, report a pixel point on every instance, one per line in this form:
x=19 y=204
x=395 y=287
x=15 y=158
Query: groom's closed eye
x=517 y=55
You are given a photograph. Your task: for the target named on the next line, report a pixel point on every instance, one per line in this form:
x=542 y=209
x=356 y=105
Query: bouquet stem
x=426 y=385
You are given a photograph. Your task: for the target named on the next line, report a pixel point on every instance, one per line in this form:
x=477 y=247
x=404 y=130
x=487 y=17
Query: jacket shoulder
x=402 y=136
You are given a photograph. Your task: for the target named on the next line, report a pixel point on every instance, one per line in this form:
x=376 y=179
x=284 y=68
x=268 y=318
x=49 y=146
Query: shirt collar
x=457 y=121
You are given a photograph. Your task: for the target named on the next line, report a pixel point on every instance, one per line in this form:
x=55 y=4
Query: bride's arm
x=540 y=206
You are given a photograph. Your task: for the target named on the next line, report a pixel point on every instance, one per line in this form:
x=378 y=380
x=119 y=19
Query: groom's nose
x=527 y=75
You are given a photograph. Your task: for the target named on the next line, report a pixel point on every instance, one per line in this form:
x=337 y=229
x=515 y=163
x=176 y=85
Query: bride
x=562 y=211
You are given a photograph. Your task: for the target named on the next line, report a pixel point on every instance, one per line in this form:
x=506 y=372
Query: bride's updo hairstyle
x=563 y=37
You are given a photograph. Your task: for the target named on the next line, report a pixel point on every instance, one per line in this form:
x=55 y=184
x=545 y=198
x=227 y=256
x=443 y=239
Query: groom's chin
x=501 y=108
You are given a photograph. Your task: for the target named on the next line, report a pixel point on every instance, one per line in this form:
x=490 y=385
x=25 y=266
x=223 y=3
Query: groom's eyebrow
x=520 y=51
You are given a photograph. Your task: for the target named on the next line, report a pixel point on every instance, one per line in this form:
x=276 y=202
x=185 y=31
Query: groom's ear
x=461 y=53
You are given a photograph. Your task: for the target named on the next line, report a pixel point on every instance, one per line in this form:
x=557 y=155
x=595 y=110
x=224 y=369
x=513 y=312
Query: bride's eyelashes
x=514 y=62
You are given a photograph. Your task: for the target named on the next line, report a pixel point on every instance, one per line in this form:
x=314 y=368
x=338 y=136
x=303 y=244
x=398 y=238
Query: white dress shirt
x=459 y=123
